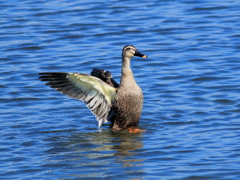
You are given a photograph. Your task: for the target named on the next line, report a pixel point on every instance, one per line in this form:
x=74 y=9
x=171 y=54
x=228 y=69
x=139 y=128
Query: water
x=190 y=82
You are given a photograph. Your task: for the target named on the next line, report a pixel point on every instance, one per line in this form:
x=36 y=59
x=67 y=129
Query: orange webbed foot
x=135 y=130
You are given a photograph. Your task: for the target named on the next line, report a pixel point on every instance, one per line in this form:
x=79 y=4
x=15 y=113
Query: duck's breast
x=129 y=100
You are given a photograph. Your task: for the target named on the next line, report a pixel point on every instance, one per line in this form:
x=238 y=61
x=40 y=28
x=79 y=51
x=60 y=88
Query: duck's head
x=130 y=51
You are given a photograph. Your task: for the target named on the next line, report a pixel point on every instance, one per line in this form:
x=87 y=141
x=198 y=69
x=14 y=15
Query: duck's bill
x=137 y=53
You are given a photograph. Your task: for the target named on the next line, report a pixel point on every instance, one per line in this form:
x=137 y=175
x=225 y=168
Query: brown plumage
x=109 y=101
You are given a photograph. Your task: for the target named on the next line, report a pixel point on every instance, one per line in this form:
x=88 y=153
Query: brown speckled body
x=128 y=102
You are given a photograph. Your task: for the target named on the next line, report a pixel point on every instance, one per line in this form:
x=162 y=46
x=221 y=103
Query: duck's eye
x=128 y=49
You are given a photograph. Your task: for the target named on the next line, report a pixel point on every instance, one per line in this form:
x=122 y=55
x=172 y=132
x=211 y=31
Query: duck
x=121 y=104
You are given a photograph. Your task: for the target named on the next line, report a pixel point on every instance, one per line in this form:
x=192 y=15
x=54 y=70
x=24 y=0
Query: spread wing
x=96 y=94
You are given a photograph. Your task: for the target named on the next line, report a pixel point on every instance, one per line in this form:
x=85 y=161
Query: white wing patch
x=92 y=85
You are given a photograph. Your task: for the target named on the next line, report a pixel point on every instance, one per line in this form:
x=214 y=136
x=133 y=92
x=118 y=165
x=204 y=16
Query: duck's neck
x=126 y=64
x=127 y=75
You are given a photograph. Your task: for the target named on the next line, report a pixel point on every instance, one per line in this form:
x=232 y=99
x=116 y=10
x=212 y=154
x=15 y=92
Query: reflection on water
x=106 y=150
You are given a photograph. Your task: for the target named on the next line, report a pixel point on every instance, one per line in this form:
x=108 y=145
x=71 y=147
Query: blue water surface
x=191 y=86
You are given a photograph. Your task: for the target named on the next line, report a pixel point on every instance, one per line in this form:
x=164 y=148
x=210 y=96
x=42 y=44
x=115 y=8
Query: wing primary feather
x=59 y=85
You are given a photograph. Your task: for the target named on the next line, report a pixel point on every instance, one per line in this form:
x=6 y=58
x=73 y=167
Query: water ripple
x=190 y=83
